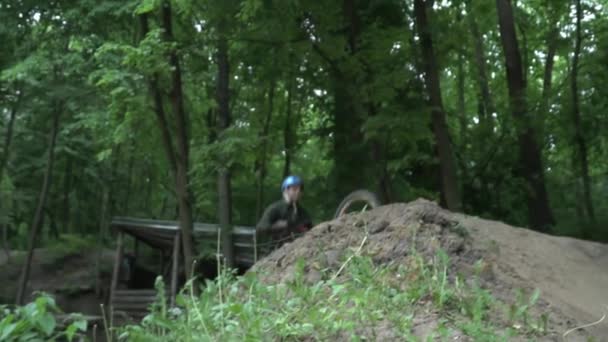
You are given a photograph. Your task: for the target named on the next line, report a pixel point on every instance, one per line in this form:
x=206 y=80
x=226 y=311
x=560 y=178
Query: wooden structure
x=164 y=236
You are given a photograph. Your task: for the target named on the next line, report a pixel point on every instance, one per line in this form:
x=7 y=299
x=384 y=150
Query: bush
x=36 y=322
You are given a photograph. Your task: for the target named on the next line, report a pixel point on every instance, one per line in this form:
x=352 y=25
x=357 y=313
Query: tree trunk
x=579 y=138
x=261 y=162
x=548 y=78
x=462 y=112
x=182 y=153
x=350 y=149
x=287 y=131
x=223 y=180
x=449 y=180
x=530 y=166
x=129 y=182
x=550 y=61
x=53 y=230
x=38 y=216
x=67 y=189
x=9 y=135
x=482 y=77
x=7 y=250
x=159 y=109
x=101 y=235
x=8 y=138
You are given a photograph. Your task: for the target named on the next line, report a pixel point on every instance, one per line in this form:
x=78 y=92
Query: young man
x=286 y=216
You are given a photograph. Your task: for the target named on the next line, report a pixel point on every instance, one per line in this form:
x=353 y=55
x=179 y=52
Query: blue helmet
x=291 y=181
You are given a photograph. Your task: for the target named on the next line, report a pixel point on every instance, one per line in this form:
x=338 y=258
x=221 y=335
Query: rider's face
x=293 y=193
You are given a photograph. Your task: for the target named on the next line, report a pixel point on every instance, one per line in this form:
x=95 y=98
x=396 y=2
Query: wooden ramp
x=165 y=236
x=131 y=305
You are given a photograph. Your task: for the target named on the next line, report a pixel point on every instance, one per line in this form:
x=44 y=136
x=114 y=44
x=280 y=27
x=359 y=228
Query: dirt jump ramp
x=572 y=275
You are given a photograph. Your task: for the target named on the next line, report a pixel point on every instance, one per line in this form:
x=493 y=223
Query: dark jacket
x=298 y=220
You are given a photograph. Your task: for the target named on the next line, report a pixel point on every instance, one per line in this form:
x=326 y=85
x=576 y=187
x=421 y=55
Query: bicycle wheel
x=356 y=201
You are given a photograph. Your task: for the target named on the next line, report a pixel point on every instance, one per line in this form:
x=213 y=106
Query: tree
x=223 y=179
x=182 y=153
x=579 y=139
x=42 y=199
x=449 y=181
x=530 y=163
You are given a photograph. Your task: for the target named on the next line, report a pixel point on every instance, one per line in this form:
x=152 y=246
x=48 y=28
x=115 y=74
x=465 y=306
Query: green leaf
x=70 y=332
x=147 y=6
x=534 y=297
x=47 y=323
x=7 y=330
x=80 y=324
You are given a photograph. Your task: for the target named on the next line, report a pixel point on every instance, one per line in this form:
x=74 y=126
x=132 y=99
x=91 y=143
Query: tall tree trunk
x=129 y=182
x=8 y=138
x=482 y=77
x=462 y=112
x=261 y=162
x=53 y=230
x=525 y=60
x=182 y=153
x=449 y=180
x=159 y=108
x=350 y=150
x=579 y=138
x=7 y=250
x=550 y=61
x=548 y=78
x=287 y=131
x=539 y=212
x=223 y=181
x=38 y=216
x=67 y=189
x=101 y=235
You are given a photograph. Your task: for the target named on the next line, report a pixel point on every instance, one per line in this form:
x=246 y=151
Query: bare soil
x=571 y=274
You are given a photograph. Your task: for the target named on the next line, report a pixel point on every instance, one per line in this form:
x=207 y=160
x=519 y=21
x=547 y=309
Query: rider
x=286 y=216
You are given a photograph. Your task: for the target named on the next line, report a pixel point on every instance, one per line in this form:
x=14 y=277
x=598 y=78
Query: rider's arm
x=270 y=220
x=304 y=220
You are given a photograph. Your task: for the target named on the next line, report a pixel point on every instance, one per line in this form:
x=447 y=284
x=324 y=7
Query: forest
x=196 y=110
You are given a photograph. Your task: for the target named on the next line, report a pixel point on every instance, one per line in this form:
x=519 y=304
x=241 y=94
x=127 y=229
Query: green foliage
x=36 y=322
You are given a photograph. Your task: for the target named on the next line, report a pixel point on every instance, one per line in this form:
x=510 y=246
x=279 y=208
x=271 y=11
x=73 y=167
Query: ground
x=570 y=274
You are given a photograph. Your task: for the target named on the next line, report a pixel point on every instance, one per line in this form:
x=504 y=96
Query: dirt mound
x=571 y=274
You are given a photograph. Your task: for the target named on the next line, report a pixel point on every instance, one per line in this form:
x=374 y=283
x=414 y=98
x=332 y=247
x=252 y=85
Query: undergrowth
x=367 y=302
x=37 y=321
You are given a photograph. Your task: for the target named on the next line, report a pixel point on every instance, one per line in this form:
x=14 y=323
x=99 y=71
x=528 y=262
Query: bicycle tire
x=361 y=195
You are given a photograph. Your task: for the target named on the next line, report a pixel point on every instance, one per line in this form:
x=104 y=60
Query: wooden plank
x=133 y=299
x=124 y=316
x=135 y=293
x=165 y=225
x=132 y=307
x=175 y=266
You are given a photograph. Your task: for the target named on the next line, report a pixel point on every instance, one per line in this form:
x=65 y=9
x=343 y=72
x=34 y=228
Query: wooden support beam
x=136 y=249
x=116 y=273
x=176 y=244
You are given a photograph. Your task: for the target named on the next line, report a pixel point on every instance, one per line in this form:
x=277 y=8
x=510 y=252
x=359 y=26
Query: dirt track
x=571 y=274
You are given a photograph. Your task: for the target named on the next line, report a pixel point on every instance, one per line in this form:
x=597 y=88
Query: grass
x=366 y=302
